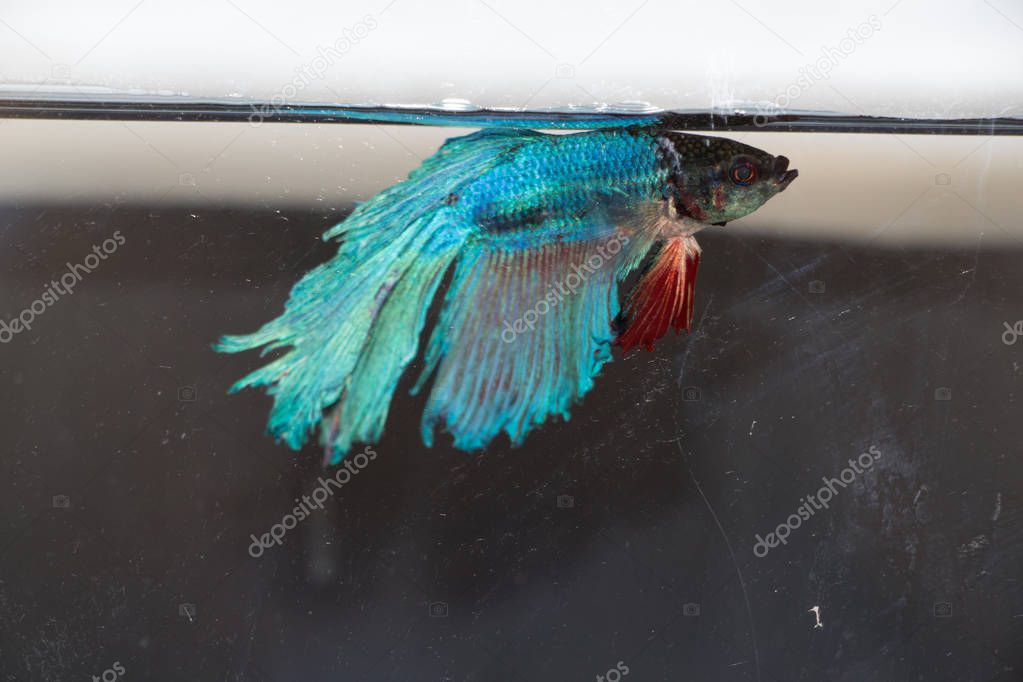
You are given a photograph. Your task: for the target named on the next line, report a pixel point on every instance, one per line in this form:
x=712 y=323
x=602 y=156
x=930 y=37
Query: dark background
x=115 y=399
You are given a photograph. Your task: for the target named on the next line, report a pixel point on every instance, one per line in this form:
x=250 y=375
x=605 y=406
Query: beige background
x=884 y=188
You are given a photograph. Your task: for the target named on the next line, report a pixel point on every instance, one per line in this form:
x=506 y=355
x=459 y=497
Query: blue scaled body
x=538 y=230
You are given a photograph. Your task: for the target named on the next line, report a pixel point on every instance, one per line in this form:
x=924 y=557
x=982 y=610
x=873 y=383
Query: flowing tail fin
x=523 y=334
x=352 y=325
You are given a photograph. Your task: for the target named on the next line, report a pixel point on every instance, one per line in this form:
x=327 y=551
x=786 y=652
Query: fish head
x=714 y=179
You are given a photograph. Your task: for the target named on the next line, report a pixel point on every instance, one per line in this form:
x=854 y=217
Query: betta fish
x=540 y=231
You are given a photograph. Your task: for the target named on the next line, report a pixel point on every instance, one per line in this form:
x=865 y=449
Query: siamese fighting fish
x=535 y=234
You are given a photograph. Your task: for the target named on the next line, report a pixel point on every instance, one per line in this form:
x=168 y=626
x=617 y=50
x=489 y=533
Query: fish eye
x=743 y=173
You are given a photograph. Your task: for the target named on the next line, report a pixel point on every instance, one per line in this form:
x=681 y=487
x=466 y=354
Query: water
x=460 y=112
x=868 y=309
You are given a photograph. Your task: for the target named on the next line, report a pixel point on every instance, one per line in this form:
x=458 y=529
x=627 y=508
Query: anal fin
x=664 y=296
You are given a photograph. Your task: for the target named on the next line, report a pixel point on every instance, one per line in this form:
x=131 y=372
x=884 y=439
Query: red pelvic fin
x=663 y=297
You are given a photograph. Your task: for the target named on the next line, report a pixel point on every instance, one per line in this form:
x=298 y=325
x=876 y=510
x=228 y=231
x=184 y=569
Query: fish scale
x=556 y=182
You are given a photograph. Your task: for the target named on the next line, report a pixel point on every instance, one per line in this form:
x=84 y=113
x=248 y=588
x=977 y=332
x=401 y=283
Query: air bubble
x=456 y=104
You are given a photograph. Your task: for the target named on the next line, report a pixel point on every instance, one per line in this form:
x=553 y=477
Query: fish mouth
x=783 y=176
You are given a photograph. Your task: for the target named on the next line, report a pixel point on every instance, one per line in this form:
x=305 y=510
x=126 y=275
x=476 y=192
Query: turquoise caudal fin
x=352 y=325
